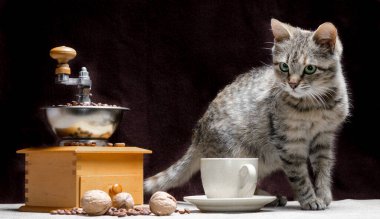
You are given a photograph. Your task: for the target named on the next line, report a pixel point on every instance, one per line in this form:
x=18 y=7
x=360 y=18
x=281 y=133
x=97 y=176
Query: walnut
x=123 y=200
x=162 y=203
x=95 y=202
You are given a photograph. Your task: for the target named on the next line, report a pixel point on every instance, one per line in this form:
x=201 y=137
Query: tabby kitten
x=286 y=115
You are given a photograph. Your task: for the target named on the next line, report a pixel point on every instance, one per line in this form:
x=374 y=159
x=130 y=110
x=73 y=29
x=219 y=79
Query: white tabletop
x=345 y=209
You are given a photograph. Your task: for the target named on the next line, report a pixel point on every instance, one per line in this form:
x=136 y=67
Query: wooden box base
x=57 y=177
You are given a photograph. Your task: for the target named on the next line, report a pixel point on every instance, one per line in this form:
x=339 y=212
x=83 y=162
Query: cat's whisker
x=317 y=96
x=265 y=64
x=326 y=92
x=277 y=90
x=305 y=87
x=266 y=48
x=313 y=98
x=331 y=93
x=323 y=101
x=324 y=89
x=328 y=89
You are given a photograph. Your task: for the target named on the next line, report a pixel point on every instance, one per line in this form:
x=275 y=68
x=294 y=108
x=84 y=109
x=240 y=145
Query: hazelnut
x=162 y=203
x=95 y=202
x=123 y=200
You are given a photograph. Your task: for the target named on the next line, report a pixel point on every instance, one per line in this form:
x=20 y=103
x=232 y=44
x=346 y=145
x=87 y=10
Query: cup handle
x=248 y=180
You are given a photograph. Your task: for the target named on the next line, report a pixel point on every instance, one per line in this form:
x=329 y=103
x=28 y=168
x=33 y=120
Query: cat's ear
x=280 y=30
x=326 y=35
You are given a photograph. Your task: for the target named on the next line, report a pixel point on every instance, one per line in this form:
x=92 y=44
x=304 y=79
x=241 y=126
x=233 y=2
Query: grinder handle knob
x=63 y=55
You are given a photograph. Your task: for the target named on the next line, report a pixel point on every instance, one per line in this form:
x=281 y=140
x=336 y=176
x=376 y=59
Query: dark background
x=167 y=60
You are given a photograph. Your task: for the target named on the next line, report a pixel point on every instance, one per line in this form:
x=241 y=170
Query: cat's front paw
x=279 y=202
x=313 y=204
x=325 y=195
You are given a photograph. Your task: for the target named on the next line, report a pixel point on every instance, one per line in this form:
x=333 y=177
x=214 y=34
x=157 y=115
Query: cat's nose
x=294 y=80
x=293 y=85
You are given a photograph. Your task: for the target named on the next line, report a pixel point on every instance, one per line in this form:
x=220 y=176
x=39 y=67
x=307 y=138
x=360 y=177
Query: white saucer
x=229 y=204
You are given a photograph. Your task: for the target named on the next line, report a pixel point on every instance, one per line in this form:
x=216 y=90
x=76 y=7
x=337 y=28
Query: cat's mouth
x=296 y=92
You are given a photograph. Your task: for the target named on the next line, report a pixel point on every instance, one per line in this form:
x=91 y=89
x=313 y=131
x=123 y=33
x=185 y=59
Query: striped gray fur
x=261 y=115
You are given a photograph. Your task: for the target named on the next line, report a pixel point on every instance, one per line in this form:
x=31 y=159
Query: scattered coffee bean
x=80 y=211
x=117 y=212
x=76 y=103
x=76 y=143
x=143 y=210
x=146 y=212
x=111 y=211
x=119 y=144
x=72 y=211
x=183 y=211
x=132 y=212
x=121 y=212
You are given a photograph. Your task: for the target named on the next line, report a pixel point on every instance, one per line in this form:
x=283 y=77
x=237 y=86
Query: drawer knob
x=116 y=188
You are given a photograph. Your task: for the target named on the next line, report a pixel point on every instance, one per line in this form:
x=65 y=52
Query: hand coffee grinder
x=80 y=121
x=56 y=177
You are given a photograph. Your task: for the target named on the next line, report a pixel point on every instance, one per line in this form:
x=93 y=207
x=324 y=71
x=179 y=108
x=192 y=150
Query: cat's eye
x=284 y=67
x=310 y=69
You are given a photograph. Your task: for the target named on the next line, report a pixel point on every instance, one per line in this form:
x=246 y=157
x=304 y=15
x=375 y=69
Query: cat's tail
x=177 y=174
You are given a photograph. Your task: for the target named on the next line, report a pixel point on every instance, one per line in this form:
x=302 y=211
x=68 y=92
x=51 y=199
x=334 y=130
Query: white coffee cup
x=229 y=177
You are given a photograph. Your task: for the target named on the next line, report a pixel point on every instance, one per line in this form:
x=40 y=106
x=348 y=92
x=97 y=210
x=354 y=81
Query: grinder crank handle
x=63 y=55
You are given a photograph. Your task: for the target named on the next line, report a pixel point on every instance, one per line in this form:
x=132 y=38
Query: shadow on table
x=10 y=209
x=265 y=210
